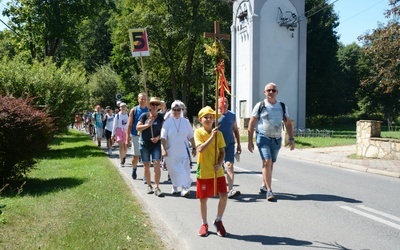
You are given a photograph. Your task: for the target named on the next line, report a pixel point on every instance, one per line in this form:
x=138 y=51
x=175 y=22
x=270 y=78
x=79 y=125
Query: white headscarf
x=175 y=104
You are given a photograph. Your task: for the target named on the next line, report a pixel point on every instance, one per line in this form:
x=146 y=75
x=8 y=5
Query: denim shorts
x=268 y=147
x=230 y=152
x=146 y=151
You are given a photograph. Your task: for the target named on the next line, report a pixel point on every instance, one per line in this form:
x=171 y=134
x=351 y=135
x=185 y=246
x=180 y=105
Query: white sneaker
x=263 y=189
x=185 y=192
x=174 y=190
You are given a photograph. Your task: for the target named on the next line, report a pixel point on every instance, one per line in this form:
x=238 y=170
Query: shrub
x=62 y=91
x=321 y=121
x=25 y=133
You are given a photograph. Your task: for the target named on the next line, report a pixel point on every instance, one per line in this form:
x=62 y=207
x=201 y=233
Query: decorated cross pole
x=216 y=51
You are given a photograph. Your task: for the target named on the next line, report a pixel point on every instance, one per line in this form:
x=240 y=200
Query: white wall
x=266 y=52
x=279 y=52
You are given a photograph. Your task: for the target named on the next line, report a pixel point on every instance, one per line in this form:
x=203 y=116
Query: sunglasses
x=155 y=104
x=177 y=110
x=271 y=90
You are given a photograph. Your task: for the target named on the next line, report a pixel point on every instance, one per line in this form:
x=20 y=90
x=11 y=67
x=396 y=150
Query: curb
x=345 y=165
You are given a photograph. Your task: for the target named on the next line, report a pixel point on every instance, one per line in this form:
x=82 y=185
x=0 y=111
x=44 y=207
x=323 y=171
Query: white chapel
x=269 y=45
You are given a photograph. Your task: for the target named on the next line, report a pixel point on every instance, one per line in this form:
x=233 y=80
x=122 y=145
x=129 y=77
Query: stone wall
x=370 y=145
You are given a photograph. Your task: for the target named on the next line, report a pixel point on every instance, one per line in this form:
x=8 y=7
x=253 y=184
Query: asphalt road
x=318 y=207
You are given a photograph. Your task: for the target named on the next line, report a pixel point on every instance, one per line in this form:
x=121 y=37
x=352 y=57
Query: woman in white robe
x=176 y=134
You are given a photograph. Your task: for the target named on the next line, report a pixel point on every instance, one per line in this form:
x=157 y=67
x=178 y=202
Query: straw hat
x=155 y=100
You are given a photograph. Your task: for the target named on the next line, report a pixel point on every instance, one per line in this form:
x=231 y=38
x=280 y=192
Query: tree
x=175 y=29
x=103 y=86
x=7 y=44
x=94 y=41
x=347 y=78
x=322 y=45
x=380 y=88
x=49 y=28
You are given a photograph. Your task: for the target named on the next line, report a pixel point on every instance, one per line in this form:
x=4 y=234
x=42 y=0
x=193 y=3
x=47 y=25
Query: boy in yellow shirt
x=208 y=166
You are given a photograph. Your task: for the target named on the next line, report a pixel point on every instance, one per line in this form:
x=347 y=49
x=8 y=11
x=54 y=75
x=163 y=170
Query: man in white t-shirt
x=268 y=125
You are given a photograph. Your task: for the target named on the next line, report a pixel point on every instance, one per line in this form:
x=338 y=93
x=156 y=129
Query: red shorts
x=205 y=187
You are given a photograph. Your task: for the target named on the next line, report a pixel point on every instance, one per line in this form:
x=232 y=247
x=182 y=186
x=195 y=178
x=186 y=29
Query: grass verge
x=75 y=199
x=339 y=138
x=318 y=142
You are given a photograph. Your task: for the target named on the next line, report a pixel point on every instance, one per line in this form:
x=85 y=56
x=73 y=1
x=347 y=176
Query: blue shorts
x=147 y=151
x=230 y=152
x=268 y=147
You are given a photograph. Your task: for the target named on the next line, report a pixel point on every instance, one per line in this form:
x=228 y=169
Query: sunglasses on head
x=176 y=110
x=271 y=90
x=155 y=104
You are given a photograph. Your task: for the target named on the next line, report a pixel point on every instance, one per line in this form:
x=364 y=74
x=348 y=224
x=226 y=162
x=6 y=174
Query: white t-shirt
x=109 y=122
x=270 y=121
x=120 y=121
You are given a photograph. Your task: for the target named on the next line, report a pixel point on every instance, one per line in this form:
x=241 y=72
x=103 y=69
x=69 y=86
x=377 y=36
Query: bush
x=321 y=121
x=25 y=133
x=62 y=91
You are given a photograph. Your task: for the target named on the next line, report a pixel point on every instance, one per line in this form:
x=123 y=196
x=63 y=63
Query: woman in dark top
x=149 y=125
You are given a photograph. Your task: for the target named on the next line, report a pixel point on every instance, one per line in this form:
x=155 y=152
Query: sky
x=358 y=16
x=355 y=16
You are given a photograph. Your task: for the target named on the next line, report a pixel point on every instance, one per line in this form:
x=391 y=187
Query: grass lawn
x=75 y=199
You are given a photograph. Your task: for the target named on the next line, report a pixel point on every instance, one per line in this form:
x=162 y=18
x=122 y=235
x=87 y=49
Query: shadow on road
x=314 y=197
x=270 y=240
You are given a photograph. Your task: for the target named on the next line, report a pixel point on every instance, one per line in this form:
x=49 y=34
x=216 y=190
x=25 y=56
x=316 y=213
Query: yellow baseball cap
x=207 y=111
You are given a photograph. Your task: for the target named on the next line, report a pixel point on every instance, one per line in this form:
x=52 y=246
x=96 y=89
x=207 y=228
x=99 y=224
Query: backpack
x=262 y=105
x=95 y=118
x=127 y=113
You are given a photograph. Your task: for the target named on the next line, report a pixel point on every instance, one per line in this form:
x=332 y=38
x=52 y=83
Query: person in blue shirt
x=132 y=134
x=228 y=126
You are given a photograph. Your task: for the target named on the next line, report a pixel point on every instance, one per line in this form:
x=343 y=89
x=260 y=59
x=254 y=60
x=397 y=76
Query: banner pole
x=145 y=88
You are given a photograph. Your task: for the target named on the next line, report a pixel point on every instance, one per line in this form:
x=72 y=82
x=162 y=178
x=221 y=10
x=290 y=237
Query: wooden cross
x=216 y=35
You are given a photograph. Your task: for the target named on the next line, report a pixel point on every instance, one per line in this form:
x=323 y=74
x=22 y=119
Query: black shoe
x=123 y=160
x=99 y=144
x=134 y=174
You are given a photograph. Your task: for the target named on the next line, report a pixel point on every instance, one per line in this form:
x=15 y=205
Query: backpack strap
x=284 y=111
x=133 y=113
x=262 y=105
x=260 y=108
